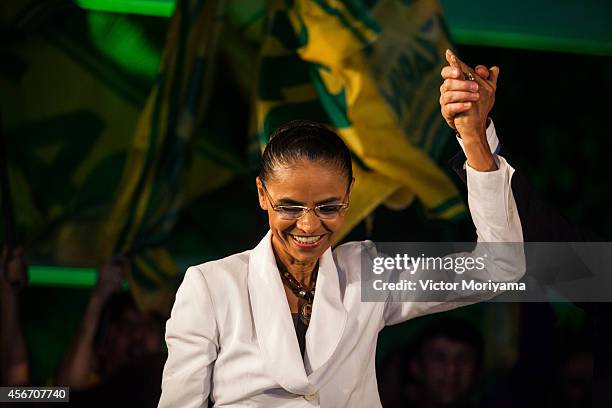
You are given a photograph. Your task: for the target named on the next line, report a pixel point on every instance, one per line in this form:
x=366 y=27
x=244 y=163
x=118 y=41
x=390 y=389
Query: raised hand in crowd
x=15 y=367
x=80 y=368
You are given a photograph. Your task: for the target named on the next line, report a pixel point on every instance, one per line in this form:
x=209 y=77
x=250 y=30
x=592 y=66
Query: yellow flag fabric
x=372 y=73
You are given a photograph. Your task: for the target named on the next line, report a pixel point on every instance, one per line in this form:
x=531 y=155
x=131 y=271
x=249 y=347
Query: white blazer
x=231 y=337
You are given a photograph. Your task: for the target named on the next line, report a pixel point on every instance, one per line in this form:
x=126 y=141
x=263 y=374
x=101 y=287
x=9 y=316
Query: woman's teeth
x=307 y=240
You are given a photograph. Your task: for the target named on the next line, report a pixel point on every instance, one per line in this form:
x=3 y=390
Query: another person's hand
x=13 y=270
x=111 y=275
x=466 y=104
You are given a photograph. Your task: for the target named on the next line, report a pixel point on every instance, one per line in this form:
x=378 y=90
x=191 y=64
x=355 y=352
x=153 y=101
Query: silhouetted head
x=447 y=360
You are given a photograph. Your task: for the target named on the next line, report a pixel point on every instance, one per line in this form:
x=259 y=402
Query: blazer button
x=311 y=397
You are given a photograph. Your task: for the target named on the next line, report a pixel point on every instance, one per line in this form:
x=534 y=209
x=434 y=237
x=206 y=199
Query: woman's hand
x=466 y=104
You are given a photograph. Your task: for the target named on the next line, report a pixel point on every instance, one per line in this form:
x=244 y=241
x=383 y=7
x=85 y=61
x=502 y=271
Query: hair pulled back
x=300 y=140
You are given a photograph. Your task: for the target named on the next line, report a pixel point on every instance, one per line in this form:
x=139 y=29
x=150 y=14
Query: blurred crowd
x=444 y=368
x=116 y=355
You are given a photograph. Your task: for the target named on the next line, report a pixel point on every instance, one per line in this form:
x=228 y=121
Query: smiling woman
x=283 y=324
x=308 y=168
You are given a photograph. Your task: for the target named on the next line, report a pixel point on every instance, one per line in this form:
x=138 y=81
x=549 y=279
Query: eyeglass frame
x=305 y=209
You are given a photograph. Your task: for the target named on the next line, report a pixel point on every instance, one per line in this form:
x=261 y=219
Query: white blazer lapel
x=273 y=323
x=328 y=316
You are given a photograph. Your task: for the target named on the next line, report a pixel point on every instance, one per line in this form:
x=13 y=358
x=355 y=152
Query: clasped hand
x=465 y=105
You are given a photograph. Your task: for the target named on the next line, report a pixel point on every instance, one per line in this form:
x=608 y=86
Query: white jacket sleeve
x=495 y=216
x=192 y=340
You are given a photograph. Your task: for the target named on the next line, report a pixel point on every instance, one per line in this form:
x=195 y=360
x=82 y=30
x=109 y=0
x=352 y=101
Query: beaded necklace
x=305 y=295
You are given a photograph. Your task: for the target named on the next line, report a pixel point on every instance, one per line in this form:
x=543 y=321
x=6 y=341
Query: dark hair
x=455 y=329
x=304 y=140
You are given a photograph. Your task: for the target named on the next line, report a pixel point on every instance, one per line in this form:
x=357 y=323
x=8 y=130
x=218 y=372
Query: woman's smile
x=307 y=241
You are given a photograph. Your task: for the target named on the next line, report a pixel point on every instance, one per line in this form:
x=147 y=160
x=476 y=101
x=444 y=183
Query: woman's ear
x=350 y=190
x=263 y=202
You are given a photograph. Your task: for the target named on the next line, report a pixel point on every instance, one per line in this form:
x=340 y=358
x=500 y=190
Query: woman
x=237 y=333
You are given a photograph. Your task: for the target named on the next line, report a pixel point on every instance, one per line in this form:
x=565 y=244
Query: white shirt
x=231 y=336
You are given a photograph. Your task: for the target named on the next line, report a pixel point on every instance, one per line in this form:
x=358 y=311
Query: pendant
x=305 y=311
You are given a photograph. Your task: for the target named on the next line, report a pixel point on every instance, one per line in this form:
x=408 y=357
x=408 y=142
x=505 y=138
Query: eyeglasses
x=293 y=212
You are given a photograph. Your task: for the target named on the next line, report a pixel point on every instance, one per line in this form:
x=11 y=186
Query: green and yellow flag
x=109 y=138
x=69 y=114
x=97 y=167
x=371 y=71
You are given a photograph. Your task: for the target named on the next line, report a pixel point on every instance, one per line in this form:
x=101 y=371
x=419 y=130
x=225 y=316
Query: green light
x=161 y=8
x=62 y=276
x=125 y=43
x=530 y=41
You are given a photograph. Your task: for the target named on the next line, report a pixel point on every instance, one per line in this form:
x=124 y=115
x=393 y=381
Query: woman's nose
x=308 y=222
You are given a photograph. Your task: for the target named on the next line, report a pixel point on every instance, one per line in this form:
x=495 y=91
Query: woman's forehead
x=306 y=178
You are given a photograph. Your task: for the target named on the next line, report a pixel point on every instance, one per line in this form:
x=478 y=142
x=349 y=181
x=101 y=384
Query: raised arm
x=465 y=105
x=541 y=221
x=14 y=364
x=79 y=361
